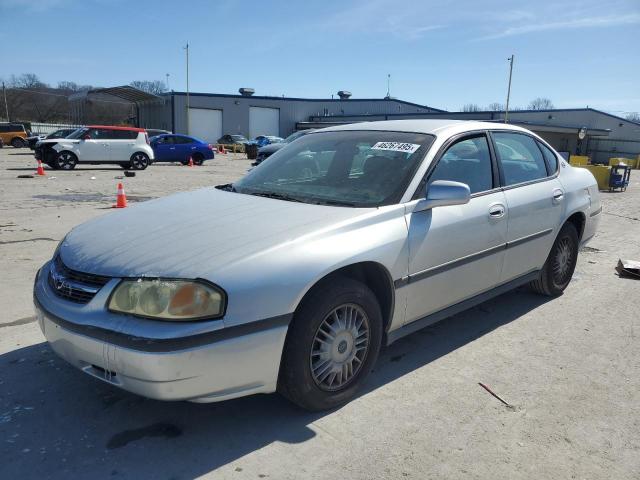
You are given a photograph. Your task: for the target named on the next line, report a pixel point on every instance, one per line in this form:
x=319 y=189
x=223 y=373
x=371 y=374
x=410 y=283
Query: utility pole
x=167 y=75
x=388 y=85
x=187 y=49
x=6 y=105
x=506 y=110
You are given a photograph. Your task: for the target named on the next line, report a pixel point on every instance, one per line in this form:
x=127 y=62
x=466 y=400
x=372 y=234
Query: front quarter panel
x=273 y=282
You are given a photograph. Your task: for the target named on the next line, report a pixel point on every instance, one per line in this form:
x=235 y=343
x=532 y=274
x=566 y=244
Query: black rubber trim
x=535 y=236
x=423 y=322
x=144 y=344
x=596 y=212
x=430 y=272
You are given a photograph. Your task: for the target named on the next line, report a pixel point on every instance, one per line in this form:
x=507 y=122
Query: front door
x=534 y=198
x=164 y=149
x=93 y=146
x=456 y=252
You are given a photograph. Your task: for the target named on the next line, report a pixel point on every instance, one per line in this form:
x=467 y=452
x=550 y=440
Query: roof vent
x=344 y=95
x=246 y=92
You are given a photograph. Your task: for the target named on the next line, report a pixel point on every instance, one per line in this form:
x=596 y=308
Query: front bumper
x=218 y=365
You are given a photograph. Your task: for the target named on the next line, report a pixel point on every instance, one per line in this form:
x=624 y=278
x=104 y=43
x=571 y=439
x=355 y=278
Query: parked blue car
x=262 y=140
x=178 y=148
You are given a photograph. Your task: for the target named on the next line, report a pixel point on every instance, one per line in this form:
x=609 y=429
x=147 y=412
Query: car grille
x=72 y=285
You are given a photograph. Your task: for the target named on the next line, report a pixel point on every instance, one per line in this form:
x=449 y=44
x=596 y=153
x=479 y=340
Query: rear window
x=550 y=157
x=520 y=158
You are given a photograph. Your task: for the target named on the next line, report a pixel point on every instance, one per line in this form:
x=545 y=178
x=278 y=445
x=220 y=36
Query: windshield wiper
x=277 y=196
x=227 y=187
x=336 y=203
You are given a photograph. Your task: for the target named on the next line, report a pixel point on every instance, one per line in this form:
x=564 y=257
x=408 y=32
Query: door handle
x=558 y=196
x=497 y=211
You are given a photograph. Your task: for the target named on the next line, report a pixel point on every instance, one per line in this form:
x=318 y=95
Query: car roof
x=114 y=127
x=430 y=126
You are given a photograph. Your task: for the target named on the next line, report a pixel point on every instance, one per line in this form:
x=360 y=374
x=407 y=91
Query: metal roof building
x=210 y=115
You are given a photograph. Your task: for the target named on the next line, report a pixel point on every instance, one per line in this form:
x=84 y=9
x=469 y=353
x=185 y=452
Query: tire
x=17 y=142
x=139 y=161
x=198 y=159
x=560 y=265
x=65 y=161
x=309 y=353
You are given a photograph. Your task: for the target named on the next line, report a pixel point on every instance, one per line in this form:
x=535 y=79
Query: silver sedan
x=294 y=277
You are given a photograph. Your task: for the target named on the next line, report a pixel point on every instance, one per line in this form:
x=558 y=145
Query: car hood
x=193 y=234
x=271 y=148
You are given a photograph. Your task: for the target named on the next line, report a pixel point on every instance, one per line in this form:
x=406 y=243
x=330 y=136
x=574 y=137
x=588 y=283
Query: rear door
x=456 y=252
x=121 y=144
x=184 y=147
x=534 y=199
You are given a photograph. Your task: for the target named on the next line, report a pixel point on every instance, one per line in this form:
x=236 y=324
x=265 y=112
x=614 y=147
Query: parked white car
x=292 y=278
x=96 y=144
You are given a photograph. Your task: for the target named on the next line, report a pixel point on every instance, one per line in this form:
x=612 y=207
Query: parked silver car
x=292 y=278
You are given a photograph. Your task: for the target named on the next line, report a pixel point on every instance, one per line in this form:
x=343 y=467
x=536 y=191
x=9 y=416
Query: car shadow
x=23 y=153
x=78 y=168
x=57 y=422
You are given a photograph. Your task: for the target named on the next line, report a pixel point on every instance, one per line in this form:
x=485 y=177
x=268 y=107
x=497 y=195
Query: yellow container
x=601 y=173
x=577 y=160
x=630 y=162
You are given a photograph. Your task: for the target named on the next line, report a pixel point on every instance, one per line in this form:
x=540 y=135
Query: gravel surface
x=569 y=368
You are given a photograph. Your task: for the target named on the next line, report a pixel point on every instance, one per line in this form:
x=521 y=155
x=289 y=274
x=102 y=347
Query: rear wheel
x=65 y=161
x=17 y=142
x=198 y=159
x=139 y=161
x=561 y=263
x=332 y=344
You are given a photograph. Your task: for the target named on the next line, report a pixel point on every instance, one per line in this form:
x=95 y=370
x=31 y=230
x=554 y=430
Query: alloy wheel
x=562 y=261
x=340 y=347
x=66 y=161
x=139 y=161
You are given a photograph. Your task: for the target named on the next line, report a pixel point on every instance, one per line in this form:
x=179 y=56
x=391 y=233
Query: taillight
x=146 y=137
x=210 y=147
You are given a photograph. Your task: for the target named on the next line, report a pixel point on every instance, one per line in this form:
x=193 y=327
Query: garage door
x=264 y=121
x=205 y=124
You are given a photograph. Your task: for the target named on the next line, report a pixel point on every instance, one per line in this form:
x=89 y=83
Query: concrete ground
x=568 y=367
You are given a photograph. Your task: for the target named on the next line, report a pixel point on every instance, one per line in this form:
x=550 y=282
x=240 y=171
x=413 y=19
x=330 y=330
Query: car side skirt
x=435 y=317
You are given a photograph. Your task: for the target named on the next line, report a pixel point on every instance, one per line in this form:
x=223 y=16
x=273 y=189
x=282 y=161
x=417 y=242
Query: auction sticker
x=396 y=147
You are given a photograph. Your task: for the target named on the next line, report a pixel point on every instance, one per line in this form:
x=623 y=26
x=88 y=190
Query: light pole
x=187 y=49
x=6 y=105
x=167 y=76
x=506 y=110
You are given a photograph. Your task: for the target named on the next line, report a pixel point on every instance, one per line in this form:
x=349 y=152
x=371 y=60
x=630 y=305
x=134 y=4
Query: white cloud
x=576 y=23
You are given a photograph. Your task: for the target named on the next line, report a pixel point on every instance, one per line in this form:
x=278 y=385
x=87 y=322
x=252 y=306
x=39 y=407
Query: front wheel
x=332 y=344
x=65 y=161
x=139 y=161
x=561 y=263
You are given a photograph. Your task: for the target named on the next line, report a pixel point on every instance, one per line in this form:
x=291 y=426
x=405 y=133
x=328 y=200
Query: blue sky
x=442 y=54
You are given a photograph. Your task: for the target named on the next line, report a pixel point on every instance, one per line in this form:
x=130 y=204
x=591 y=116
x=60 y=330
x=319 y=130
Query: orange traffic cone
x=40 y=169
x=121 y=198
x=190 y=161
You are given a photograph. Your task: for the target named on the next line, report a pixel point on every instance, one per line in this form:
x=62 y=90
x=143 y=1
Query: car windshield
x=78 y=133
x=350 y=168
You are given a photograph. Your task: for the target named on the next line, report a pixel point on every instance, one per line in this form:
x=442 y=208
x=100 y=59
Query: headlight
x=168 y=299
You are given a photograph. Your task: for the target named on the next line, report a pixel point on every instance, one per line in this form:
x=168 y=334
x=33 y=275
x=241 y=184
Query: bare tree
x=26 y=80
x=495 y=107
x=73 y=86
x=633 y=117
x=155 y=87
x=471 y=107
x=541 y=103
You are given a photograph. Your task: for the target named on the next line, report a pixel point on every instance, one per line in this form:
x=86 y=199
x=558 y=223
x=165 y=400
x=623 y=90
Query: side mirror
x=442 y=193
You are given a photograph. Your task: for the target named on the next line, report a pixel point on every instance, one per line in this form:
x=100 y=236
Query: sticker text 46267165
x=396 y=147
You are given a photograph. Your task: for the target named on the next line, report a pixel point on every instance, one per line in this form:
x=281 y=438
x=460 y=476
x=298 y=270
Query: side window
x=182 y=140
x=550 y=157
x=467 y=161
x=520 y=157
